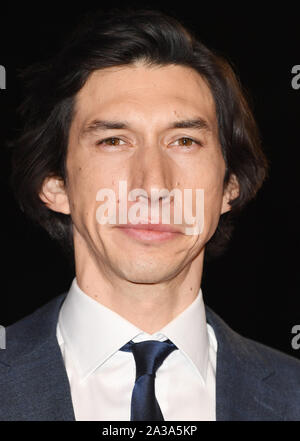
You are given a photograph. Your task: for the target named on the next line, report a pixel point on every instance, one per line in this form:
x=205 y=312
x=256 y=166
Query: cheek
x=86 y=176
x=214 y=186
x=209 y=175
x=211 y=179
x=82 y=190
x=83 y=197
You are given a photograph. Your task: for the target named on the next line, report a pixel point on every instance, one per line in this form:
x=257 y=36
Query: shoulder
x=33 y=381
x=286 y=366
x=31 y=332
x=253 y=381
x=256 y=355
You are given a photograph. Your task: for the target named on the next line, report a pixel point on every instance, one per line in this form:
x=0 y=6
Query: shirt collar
x=92 y=333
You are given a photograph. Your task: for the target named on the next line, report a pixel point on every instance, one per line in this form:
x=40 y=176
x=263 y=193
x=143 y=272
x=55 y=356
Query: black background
x=254 y=286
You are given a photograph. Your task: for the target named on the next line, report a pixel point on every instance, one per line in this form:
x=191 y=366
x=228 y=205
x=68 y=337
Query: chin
x=147 y=273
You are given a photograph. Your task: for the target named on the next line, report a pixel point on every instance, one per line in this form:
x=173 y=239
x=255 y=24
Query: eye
x=186 y=142
x=110 y=141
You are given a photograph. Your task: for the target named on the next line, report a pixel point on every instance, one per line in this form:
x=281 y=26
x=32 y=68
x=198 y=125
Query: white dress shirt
x=102 y=377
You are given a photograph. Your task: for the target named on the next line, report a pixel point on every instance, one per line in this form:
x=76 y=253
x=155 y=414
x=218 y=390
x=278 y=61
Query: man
x=131 y=115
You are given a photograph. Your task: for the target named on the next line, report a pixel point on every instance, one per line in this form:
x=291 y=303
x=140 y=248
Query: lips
x=150 y=232
x=151 y=227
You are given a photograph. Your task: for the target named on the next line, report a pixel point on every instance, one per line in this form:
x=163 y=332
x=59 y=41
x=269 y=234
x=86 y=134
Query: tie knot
x=149 y=355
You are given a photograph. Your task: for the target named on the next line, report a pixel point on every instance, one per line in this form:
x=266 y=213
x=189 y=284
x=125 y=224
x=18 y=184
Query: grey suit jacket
x=253 y=381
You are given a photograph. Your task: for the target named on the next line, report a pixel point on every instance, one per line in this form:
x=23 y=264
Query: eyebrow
x=98 y=125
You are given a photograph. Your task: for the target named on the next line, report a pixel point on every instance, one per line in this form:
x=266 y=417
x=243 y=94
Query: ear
x=231 y=192
x=53 y=194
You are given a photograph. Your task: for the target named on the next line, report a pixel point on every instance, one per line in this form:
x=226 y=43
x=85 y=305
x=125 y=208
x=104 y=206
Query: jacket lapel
x=243 y=390
x=35 y=384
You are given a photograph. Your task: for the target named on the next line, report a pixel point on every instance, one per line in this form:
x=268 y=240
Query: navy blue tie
x=148 y=355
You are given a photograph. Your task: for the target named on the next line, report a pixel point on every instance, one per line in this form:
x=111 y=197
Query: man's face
x=147 y=153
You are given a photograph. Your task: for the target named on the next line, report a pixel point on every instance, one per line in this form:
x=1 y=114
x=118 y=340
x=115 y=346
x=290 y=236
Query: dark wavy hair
x=115 y=38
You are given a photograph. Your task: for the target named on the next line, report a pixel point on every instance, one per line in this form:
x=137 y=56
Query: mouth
x=150 y=232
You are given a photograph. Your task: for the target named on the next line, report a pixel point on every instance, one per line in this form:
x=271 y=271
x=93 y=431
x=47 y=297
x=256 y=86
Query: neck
x=149 y=306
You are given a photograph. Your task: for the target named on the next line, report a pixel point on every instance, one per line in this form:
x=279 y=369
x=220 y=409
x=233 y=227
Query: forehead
x=155 y=92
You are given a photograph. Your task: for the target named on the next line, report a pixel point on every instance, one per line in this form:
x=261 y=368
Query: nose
x=152 y=173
